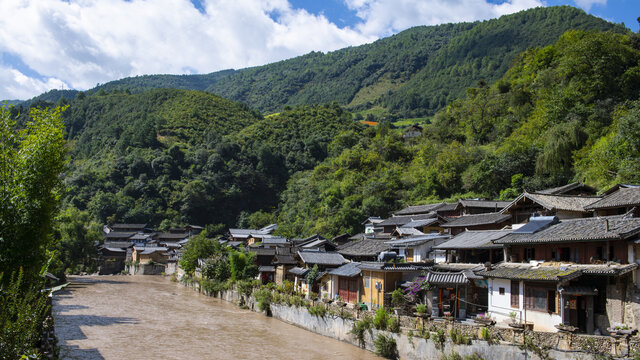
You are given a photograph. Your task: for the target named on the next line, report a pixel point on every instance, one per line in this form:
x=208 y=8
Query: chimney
x=487 y=266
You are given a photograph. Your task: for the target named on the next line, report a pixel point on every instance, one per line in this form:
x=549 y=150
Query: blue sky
x=76 y=44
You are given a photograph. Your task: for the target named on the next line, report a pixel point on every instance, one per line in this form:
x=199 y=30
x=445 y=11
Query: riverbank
x=435 y=341
x=125 y=317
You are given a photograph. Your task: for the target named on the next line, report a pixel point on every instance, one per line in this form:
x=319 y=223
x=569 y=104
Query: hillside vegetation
x=565 y=112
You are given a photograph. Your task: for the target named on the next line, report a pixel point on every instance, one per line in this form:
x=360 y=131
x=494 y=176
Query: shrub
x=397 y=298
x=386 y=346
x=458 y=338
x=319 y=310
x=485 y=334
x=359 y=327
x=381 y=319
x=287 y=287
x=439 y=338
x=263 y=297
x=22 y=314
x=451 y=356
x=421 y=308
x=394 y=325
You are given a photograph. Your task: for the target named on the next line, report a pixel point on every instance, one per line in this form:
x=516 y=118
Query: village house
x=575 y=188
x=380 y=279
x=618 y=200
x=264 y=260
x=419 y=248
x=478 y=206
x=113 y=257
x=310 y=258
x=412 y=131
x=575 y=272
x=344 y=283
x=440 y=209
x=284 y=260
x=474 y=246
x=370 y=225
x=147 y=254
x=243 y=235
x=562 y=206
x=485 y=221
x=365 y=249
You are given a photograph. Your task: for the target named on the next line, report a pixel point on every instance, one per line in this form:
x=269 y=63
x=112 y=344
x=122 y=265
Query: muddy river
x=149 y=317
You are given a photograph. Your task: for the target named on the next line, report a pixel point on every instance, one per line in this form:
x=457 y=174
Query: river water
x=149 y=317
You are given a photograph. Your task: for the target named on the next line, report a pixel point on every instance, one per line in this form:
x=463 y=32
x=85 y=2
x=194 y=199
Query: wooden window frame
x=515 y=294
x=530 y=298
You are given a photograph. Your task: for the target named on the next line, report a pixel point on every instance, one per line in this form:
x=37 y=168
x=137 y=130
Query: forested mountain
x=188 y=156
x=413 y=73
x=565 y=112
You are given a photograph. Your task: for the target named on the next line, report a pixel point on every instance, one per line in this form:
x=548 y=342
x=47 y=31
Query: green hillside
x=413 y=73
x=565 y=112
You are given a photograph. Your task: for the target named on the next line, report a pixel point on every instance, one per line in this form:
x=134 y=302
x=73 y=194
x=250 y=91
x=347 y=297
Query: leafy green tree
x=76 y=237
x=199 y=247
x=32 y=158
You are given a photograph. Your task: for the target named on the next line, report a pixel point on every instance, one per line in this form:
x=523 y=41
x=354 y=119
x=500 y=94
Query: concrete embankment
x=407 y=347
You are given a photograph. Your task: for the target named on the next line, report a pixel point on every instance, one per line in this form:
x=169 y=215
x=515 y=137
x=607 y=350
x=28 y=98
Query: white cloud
x=84 y=42
x=385 y=17
x=587 y=4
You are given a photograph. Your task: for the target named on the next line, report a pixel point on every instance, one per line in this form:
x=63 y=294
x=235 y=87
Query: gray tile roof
x=408 y=231
x=266 y=268
x=321 y=258
x=556 y=202
x=475 y=239
x=421 y=223
x=284 y=260
x=605 y=269
x=478 y=219
x=458 y=266
x=418 y=209
x=587 y=229
x=529 y=272
x=364 y=247
x=170 y=236
x=278 y=240
x=622 y=197
x=418 y=240
x=402 y=220
x=566 y=188
x=118 y=244
x=128 y=226
x=380 y=266
x=119 y=235
x=445 y=278
x=150 y=249
x=299 y=271
x=349 y=269
x=262 y=251
x=485 y=204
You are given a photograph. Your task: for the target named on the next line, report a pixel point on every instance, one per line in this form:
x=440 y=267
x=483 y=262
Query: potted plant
x=484 y=319
x=514 y=323
x=339 y=301
x=622 y=329
x=325 y=298
x=421 y=311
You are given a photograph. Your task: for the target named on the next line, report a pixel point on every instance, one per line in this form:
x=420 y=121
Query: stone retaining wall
x=506 y=344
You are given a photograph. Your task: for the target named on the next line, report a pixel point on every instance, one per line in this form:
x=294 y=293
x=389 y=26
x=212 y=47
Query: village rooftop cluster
x=555 y=259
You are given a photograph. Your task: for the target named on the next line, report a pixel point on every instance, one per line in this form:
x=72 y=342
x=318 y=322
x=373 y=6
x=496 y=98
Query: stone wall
x=506 y=342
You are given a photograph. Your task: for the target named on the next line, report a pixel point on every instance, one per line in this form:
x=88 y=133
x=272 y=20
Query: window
x=515 y=294
x=501 y=291
x=366 y=282
x=540 y=299
x=530 y=253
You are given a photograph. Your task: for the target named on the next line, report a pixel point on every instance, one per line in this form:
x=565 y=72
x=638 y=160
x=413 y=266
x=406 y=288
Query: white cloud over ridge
x=587 y=4
x=78 y=43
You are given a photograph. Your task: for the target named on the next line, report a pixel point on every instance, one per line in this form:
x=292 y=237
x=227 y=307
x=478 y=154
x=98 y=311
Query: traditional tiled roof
x=274 y=240
x=118 y=244
x=617 y=187
x=587 y=229
x=364 y=247
x=284 y=260
x=266 y=268
x=458 y=266
x=566 y=188
x=372 y=219
x=170 y=236
x=556 y=202
x=150 y=249
x=321 y=258
x=477 y=219
x=119 y=235
x=417 y=240
x=418 y=209
x=408 y=231
x=421 y=223
x=349 y=269
x=474 y=239
x=445 y=278
x=402 y=220
x=447 y=207
x=623 y=197
x=529 y=272
x=380 y=266
x=611 y=269
x=299 y=271
x=485 y=204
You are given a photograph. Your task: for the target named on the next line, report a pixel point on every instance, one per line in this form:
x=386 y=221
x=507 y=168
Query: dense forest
x=411 y=74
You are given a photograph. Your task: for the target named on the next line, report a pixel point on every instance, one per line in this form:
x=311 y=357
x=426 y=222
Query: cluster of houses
x=551 y=259
x=138 y=249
